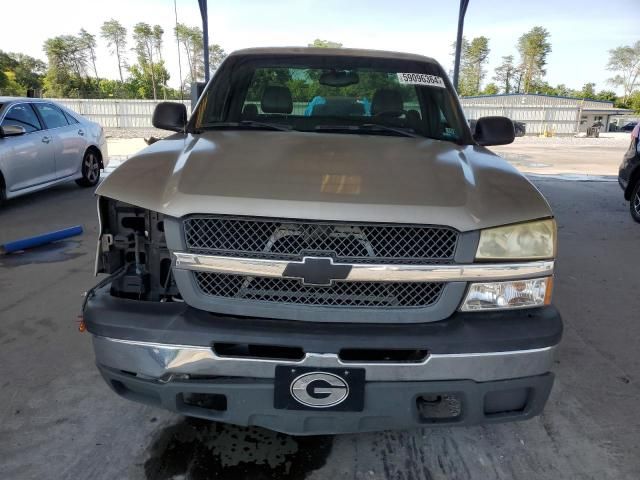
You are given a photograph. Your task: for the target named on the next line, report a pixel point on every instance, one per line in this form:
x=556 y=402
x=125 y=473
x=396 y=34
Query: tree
x=634 y=101
x=505 y=74
x=19 y=73
x=190 y=38
x=588 y=91
x=142 y=81
x=607 y=96
x=625 y=61
x=533 y=47
x=67 y=71
x=88 y=42
x=116 y=36
x=158 y=32
x=317 y=43
x=541 y=87
x=473 y=58
x=490 y=89
x=216 y=56
x=145 y=38
x=563 y=91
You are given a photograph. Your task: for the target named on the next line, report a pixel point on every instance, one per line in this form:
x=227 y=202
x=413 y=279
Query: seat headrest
x=250 y=111
x=386 y=100
x=276 y=100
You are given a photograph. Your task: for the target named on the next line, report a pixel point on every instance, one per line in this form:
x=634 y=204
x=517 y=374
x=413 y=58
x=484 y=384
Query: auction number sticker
x=421 y=79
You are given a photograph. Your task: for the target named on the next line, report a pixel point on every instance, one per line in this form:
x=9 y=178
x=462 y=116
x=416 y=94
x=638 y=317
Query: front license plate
x=308 y=388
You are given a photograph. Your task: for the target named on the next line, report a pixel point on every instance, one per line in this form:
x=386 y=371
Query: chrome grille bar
x=369 y=272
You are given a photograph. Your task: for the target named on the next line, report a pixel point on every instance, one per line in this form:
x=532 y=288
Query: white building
x=560 y=115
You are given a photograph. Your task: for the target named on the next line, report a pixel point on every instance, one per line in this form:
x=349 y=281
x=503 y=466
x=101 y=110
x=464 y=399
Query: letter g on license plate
x=308 y=388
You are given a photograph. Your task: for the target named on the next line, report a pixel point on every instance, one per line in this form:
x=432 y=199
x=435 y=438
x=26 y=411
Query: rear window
x=52 y=115
x=308 y=93
x=70 y=118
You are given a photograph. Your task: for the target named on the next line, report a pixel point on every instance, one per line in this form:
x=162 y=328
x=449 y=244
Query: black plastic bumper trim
x=179 y=324
x=388 y=405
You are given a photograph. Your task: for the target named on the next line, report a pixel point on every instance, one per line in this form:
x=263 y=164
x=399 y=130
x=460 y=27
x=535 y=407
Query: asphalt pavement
x=58 y=420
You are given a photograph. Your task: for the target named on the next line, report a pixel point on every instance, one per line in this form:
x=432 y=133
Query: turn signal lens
x=505 y=295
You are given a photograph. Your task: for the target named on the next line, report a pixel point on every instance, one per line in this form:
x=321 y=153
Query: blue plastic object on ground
x=38 y=240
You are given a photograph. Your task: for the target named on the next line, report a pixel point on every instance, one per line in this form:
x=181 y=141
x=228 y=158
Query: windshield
x=350 y=95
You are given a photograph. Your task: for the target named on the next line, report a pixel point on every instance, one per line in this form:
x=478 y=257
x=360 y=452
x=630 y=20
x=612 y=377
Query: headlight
x=531 y=240
x=505 y=295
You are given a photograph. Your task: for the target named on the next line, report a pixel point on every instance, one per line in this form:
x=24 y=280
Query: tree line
x=71 y=71
x=525 y=73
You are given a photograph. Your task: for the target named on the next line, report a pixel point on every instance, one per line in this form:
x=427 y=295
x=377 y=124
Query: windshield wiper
x=246 y=124
x=367 y=127
x=386 y=128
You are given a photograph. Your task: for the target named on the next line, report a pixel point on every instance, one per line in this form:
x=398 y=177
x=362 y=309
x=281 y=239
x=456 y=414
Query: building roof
x=535 y=100
x=579 y=99
x=607 y=111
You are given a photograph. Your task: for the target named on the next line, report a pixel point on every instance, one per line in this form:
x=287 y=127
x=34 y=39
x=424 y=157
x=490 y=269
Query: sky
x=582 y=31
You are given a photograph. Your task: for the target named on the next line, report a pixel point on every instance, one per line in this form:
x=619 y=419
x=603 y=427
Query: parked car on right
x=629 y=175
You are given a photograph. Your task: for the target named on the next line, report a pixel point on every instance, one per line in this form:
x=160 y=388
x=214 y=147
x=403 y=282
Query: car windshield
x=350 y=95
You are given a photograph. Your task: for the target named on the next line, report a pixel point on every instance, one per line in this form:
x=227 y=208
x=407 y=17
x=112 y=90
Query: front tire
x=90 y=169
x=634 y=204
x=3 y=191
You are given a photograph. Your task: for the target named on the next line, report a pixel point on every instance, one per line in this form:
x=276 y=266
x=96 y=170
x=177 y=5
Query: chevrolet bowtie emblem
x=317 y=271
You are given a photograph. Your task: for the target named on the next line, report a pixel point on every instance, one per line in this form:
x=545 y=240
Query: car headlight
x=531 y=241
x=506 y=295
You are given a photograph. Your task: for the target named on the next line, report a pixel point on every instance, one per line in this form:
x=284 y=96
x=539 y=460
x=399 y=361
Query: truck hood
x=326 y=177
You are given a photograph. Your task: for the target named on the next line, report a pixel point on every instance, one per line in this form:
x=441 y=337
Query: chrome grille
x=292 y=240
x=347 y=294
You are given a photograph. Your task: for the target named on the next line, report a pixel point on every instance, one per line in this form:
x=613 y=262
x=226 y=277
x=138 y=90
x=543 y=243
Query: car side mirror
x=494 y=131
x=170 y=116
x=12 y=131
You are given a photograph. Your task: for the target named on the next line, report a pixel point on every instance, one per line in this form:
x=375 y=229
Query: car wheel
x=634 y=203
x=90 y=169
x=3 y=191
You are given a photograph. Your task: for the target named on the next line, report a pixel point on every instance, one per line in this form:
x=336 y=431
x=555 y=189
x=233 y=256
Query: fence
x=115 y=113
x=562 y=119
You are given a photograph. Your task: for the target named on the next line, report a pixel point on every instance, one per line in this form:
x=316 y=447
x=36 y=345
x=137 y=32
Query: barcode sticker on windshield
x=421 y=79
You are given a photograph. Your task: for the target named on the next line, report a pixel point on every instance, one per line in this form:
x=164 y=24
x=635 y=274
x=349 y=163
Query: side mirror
x=12 y=131
x=494 y=131
x=170 y=116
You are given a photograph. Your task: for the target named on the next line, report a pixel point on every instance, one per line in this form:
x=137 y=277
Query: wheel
x=3 y=191
x=90 y=169
x=634 y=203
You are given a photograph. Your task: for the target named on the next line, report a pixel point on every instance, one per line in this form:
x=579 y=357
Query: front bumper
x=160 y=353
x=164 y=362
x=388 y=405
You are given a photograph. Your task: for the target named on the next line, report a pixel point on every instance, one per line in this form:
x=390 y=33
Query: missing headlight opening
x=133 y=239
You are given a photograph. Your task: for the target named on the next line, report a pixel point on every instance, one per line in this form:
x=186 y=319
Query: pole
x=456 y=67
x=205 y=37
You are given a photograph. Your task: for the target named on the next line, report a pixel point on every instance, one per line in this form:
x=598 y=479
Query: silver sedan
x=43 y=143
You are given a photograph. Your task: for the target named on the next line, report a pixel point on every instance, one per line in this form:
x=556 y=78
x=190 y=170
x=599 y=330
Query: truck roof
x=339 y=52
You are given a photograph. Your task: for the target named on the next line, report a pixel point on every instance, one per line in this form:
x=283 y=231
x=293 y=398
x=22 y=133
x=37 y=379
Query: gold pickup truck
x=325 y=246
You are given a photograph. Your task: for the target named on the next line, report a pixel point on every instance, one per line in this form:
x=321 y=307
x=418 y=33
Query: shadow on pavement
x=59 y=251
x=199 y=449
